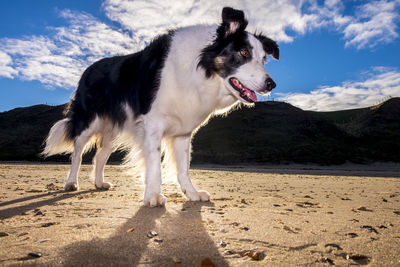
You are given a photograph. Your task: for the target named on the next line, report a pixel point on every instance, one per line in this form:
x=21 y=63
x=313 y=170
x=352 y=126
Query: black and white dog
x=161 y=95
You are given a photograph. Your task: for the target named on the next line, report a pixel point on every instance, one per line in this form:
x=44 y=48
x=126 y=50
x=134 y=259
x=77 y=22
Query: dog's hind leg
x=181 y=147
x=103 y=153
x=76 y=158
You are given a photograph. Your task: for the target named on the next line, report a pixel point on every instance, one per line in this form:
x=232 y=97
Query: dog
x=152 y=102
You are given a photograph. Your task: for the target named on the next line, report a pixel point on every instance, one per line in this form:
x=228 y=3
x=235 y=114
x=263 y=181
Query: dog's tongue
x=249 y=94
x=255 y=97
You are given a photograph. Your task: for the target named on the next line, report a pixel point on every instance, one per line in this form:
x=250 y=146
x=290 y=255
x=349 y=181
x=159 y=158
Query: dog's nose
x=270 y=84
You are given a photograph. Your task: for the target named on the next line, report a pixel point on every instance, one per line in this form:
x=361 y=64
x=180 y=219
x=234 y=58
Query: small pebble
x=39 y=212
x=158 y=240
x=43 y=240
x=152 y=234
x=352 y=235
x=229 y=252
x=364 y=209
x=222 y=244
x=48 y=224
x=35 y=254
x=207 y=262
x=255 y=255
x=130 y=230
x=358 y=258
x=176 y=260
x=306 y=204
x=327 y=260
x=334 y=246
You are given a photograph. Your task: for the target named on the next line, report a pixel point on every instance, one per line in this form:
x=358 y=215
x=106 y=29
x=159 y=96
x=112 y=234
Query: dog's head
x=238 y=57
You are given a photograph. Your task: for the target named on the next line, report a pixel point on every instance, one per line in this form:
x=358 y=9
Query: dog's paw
x=104 y=186
x=71 y=186
x=200 y=195
x=153 y=200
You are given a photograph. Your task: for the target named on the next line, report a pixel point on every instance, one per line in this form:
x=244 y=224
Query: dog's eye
x=244 y=52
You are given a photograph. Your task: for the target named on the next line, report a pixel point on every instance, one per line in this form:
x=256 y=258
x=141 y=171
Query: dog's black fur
x=269 y=45
x=110 y=82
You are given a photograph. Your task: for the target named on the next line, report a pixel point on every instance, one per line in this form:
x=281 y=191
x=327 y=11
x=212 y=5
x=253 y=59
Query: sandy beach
x=258 y=216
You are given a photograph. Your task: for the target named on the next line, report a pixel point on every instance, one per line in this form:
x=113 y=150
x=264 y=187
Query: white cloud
x=382 y=82
x=5 y=69
x=372 y=23
x=375 y=23
x=59 y=58
x=329 y=14
x=149 y=17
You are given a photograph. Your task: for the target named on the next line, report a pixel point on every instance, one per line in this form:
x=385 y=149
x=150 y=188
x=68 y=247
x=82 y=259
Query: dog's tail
x=59 y=140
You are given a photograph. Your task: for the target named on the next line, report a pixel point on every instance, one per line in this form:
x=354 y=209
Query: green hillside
x=271 y=132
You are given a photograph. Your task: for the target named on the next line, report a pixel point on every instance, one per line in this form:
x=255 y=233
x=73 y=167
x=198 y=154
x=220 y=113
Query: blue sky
x=334 y=54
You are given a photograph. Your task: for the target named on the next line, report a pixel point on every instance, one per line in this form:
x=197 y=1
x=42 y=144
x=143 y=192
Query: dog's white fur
x=185 y=100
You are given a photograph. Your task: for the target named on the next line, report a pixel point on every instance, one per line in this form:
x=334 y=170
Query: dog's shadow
x=182 y=236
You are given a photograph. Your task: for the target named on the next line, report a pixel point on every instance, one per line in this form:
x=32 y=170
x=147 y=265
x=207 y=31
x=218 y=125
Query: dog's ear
x=233 y=21
x=269 y=45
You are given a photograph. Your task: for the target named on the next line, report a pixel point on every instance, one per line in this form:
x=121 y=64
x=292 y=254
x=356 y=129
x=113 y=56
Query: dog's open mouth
x=245 y=93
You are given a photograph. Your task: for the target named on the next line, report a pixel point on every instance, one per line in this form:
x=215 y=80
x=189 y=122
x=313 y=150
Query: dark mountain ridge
x=270 y=132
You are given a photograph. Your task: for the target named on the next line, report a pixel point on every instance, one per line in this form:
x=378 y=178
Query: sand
x=258 y=216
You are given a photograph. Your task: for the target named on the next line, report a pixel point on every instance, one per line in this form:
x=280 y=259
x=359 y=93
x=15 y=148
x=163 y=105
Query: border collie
x=151 y=102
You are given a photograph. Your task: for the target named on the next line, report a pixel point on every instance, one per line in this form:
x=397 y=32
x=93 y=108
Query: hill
x=277 y=132
x=270 y=132
x=23 y=130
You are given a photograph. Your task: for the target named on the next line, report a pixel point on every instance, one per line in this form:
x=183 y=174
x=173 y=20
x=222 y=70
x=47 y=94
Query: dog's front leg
x=152 y=154
x=181 y=148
